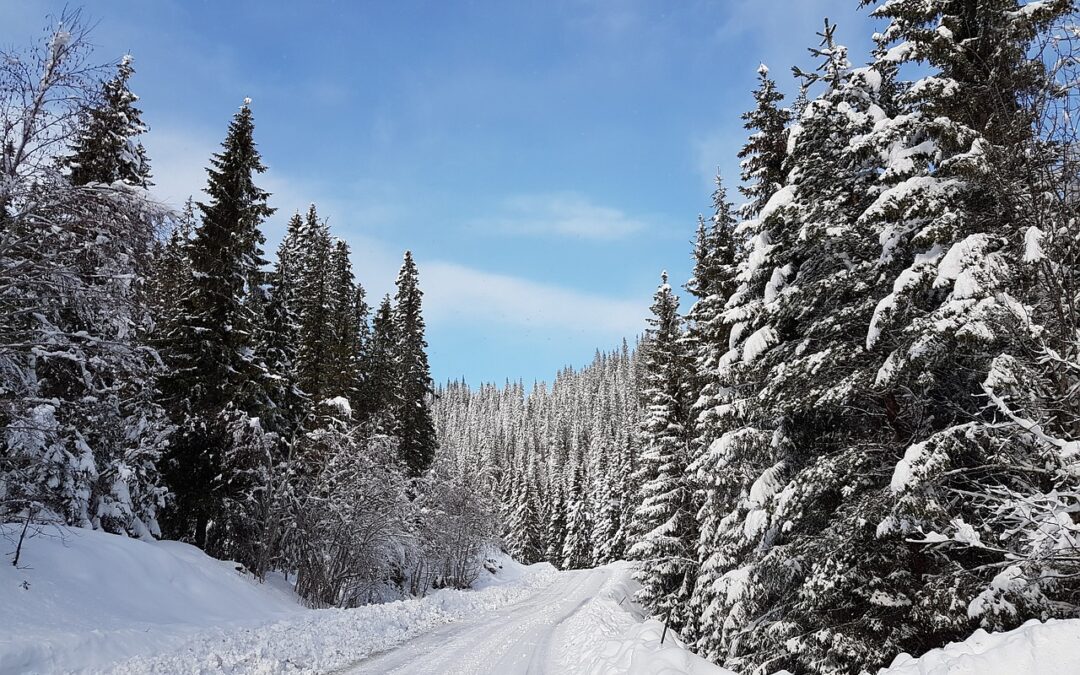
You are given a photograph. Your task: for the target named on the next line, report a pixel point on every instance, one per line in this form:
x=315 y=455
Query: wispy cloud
x=456 y=293
x=563 y=214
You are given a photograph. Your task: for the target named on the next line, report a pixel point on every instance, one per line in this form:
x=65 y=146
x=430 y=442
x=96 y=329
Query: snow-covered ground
x=83 y=601
x=1036 y=648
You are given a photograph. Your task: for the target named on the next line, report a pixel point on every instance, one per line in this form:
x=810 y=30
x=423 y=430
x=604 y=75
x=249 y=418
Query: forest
x=860 y=437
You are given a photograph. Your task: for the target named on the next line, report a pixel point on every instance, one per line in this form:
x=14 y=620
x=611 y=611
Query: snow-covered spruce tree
x=728 y=448
x=171 y=272
x=666 y=532
x=526 y=531
x=214 y=374
x=774 y=417
x=957 y=313
x=415 y=430
x=708 y=336
x=577 y=547
x=311 y=304
x=108 y=149
x=915 y=175
x=81 y=431
x=765 y=151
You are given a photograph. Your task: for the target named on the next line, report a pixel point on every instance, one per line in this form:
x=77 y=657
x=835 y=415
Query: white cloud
x=561 y=214
x=457 y=293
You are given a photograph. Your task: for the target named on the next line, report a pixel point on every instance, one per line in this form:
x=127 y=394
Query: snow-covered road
x=521 y=638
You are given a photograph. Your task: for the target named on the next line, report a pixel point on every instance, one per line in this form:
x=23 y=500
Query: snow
x=83 y=598
x=1033 y=251
x=610 y=635
x=87 y=601
x=903 y=473
x=340 y=404
x=758 y=343
x=1035 y=648
x=781 y=198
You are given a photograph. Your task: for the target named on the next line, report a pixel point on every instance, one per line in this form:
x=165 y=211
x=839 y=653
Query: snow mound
x=1036 y=648
x=80 y=597
x=611 y=635
x=499 y=569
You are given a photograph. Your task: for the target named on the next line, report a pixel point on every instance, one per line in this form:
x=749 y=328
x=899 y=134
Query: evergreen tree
x=764 y=153
x=312 y=300
x=415 y=429
x=344 y=335
x=213 y=374
x=108 y=150
x=665 y=516
x=380 y=388
x=577 y=548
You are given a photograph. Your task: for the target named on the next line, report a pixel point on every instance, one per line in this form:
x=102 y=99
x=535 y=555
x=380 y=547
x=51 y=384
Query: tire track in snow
x=515 y=639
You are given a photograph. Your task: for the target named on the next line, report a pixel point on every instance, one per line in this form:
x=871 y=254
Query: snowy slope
x=82 y=598
x=84 y=601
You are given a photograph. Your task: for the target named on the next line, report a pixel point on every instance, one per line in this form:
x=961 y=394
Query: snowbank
x=84 y=601
x=81 y=597
x=1036 y=648
x=611 y=635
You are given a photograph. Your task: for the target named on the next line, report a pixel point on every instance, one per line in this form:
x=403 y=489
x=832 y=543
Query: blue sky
x=543 y=160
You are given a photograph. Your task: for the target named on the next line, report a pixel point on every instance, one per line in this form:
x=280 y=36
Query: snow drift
x=1036 y=648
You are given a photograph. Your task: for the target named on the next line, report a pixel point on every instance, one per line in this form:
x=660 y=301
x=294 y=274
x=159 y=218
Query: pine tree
x=415 y=429
x=380 y=383
x=665 y=517
x=764 y=153
x=108 y=150
x=214 y=376
x=312 y=300
x=577 y=549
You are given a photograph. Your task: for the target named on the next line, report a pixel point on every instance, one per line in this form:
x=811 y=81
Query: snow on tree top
x=127 y=60
x=762 y=69
x=247 y=100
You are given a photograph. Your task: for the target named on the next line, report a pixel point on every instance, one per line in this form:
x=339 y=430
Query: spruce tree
x=380 y=384
x=343 y=352
x=764 y=153
x=577 y=548
x=664 y=520
x=415 y=429
x=312 y=301
x=108 y=150
x=213 y=375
